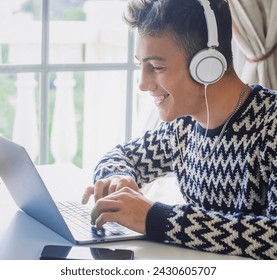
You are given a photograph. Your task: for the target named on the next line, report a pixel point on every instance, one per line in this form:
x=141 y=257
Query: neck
x=222 y=98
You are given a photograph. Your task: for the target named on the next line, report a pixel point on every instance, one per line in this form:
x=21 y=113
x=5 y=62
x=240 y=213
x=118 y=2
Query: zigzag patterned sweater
x=230 y=199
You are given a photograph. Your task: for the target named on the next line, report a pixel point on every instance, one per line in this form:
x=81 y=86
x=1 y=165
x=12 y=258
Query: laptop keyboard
x=77 y=217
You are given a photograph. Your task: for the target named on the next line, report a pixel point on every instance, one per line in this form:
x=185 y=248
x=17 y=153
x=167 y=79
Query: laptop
x=69 y=219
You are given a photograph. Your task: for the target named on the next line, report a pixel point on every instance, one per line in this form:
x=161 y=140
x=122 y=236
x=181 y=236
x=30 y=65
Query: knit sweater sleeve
x=238 y=234
x=145 y=159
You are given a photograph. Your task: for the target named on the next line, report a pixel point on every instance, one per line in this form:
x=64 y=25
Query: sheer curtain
x=255 y=32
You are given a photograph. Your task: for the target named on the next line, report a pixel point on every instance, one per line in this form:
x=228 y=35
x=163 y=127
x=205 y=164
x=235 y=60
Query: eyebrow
x=152 y=57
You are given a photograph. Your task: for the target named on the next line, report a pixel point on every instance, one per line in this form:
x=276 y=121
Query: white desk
x=22 y=237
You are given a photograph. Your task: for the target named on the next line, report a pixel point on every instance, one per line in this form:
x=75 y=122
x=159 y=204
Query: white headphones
x=208 y=65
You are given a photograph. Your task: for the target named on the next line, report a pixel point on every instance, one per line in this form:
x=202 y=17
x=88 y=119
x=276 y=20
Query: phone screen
x=56 y=252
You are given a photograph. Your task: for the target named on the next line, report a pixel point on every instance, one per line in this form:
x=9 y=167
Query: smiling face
x=165 y=75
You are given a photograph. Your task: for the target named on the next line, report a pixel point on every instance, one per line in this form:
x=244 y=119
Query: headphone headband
x=211 y=24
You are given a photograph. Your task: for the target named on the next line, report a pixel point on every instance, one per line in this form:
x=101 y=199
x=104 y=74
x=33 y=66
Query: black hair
x=184 y=21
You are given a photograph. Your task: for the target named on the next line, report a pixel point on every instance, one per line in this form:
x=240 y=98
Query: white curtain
x=255 y=31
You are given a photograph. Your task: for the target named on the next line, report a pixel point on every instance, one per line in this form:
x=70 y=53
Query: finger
x=112 y=188
x=101 y=189
x=107 y=217
x=123 y=190
x=121 y=184
x=87 y=194
x=113 y=203
x=102 y=206
x=127 y=183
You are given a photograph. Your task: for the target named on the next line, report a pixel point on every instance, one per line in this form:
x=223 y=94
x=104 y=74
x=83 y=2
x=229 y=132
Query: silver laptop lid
x=27 y=188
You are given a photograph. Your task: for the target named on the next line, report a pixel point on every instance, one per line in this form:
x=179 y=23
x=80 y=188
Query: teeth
x=160 y=99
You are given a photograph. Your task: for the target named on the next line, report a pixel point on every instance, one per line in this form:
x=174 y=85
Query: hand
x=125 y=206
x=109 y=185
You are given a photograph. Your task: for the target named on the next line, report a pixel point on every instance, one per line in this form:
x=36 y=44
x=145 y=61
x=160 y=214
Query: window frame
x=44 y=68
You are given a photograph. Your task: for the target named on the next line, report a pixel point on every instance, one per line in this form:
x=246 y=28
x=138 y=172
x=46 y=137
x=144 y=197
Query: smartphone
x=57 y=252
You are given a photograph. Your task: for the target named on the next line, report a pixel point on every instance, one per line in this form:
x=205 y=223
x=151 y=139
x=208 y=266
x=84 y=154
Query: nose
x=146 y=82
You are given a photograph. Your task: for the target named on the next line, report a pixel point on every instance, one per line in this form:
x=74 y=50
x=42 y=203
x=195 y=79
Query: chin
x=168 y=115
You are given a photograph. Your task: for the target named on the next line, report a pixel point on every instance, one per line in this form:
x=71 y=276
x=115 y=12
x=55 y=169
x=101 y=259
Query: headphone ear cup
x=207 y=66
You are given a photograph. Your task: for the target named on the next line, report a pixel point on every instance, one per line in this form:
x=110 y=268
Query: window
x=68 y=81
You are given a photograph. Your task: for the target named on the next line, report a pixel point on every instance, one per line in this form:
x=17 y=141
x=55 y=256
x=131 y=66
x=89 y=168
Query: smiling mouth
x=159 y=99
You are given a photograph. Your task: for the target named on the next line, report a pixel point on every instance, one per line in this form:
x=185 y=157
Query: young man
x=217 y=137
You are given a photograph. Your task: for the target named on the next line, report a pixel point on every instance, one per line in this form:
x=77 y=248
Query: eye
x=157 y=68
